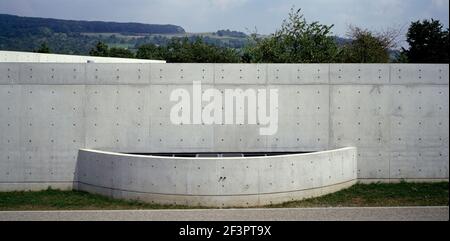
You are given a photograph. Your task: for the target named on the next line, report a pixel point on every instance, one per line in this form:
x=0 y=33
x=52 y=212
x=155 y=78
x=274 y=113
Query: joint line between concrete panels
x=19 y=75
x=150 y=81
x=330 y=135
x=329 y=106
x=85 y=74
x=84 y=103
x=329 y=74
x=214 y=75
x=389 y=119
x=266 y=73
x=213 y=145
x=390 y=70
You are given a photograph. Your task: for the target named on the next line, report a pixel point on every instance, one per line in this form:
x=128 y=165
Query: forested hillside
x=69 y=36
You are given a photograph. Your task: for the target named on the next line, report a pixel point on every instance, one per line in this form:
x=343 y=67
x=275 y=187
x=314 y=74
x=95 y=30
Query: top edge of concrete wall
x=235 y=74
x=29 y=57
x=315 y=153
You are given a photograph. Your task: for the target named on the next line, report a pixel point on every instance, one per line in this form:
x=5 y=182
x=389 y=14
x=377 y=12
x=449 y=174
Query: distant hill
x=79 y=37
x=11 y=24
x=230 y=33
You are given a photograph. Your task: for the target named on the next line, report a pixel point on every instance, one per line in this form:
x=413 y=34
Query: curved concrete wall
x=218 y=182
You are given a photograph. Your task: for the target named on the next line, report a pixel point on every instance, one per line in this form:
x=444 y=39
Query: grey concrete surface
x=15 y=56
x=288 y=214
x=216 y=182
x=397 y=115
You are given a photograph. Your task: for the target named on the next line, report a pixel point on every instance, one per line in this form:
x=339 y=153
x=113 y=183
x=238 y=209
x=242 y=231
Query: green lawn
x=379 y=195
x=400 y=194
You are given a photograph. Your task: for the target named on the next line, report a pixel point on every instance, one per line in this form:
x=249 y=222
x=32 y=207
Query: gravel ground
x=276 y=214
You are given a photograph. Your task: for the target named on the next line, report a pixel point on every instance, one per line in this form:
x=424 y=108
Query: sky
x=242 y=15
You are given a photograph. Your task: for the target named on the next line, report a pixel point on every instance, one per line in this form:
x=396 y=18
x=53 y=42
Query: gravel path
x=281 y=214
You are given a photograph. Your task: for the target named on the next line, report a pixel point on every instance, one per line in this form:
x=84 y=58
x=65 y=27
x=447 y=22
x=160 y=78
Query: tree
x=120 y=53
x=296 y=42
x=198 y=51
x=101 y=49
x=43 y=49
x=428 y=42
x=150 y=51
x=186 y=51
x=400 y=57
x=368 y=47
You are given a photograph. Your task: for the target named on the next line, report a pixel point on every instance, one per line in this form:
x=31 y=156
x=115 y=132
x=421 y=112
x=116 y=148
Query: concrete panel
x=235 y=137
x=419 y=164
x=160 y=104
x=419 y=117
x=359 y=115
x=117 y=73
x=39 y=133
x=374 y=163
x=238 y=138
x=359 y=74
x=116 y=117
x=10 y=109
x=300 y=134
x=54 y=73
x=167 y=137
x=240 y=73
x=303 y=116
x=46 y=121
x=302 y=100
x=298 y=73
x=419 y=74
x=219 y=182
x=9 y=73
x=420 y=101
x=182 y=73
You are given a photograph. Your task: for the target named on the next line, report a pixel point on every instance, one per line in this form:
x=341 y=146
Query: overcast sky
x=212 y=15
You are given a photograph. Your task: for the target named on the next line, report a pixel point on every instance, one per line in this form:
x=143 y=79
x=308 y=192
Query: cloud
x=439 y=3
x=211 y=15
x=227 y=4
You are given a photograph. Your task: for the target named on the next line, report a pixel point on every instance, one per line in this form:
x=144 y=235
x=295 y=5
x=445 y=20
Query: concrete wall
x=396 y=115
x=216 y=182
x=14 y=56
